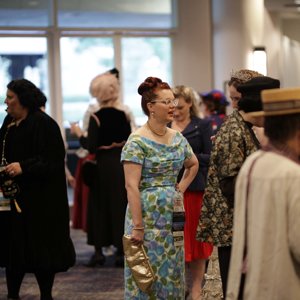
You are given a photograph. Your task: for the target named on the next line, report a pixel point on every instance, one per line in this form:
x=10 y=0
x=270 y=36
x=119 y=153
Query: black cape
x=38 y=238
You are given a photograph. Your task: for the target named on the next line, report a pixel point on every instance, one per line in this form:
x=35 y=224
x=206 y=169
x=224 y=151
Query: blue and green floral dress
x=161 y=165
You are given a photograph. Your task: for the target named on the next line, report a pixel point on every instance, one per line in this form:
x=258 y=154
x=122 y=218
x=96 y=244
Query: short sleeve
x=133 y=151
x=188 y=151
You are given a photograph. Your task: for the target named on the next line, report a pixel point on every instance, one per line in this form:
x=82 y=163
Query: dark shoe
x=119 y=262
x=96 y=260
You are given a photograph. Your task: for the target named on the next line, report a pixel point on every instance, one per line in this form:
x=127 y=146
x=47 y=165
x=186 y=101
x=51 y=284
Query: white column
x=192 y=55
x=55 y=88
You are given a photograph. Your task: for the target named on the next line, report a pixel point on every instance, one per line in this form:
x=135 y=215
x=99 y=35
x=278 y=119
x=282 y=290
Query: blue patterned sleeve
x=188 y=151
x=132 y=150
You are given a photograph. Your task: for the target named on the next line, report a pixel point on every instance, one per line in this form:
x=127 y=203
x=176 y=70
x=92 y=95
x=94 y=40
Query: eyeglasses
x=174 y=102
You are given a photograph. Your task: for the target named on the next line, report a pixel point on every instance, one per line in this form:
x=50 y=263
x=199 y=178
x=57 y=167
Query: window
x=81 y=60
x=116 y=14
x=22 y=57
x=25 y=13
x=143 y=57
x=72 y=41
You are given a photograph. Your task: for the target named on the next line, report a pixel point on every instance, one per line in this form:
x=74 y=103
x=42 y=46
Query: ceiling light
x=259 y=60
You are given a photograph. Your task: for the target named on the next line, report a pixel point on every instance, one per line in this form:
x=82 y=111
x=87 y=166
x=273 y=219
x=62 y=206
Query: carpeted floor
x=100 y=283
x=80 y=282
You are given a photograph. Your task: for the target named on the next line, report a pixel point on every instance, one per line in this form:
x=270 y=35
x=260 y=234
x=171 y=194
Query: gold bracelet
x=138 y=228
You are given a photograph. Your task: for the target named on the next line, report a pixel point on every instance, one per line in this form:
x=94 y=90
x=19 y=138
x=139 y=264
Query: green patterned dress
x=160 y=167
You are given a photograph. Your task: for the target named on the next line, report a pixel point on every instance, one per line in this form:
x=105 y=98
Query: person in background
x=108 y=131
x=266 y=240
x=93 y=107
x=81 y=192
x=233 y=143
x=79 y=220
x=214 y=103
x=152 y=158
x=35 y=233
x=198 y=133
x=70 y=178
x=237 y=78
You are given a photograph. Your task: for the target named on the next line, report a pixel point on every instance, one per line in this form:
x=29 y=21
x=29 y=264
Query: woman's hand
x=71 y=181
x=191 y=166
x=137 y=236
x=75 y=129
x=13 y=169
x=179 y=189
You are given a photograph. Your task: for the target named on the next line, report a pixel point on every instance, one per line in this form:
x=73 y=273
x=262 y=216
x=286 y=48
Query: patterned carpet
x=80 y=282
x=100 y=283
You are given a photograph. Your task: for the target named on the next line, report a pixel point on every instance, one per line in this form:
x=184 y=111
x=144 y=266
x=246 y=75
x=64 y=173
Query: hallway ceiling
x=288 y=9
x=35 y=9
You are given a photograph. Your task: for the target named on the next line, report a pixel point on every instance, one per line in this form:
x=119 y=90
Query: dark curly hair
x=148 y=90
x=115 y=72
x=29 y=95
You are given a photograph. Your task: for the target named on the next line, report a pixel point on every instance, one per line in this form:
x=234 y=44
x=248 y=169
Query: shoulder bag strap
x=244 y=267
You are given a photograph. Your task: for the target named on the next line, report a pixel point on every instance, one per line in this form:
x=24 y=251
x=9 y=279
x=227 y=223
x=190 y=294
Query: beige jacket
x=273 y=264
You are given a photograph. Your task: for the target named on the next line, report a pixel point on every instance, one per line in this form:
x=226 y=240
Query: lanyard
x=3 y=159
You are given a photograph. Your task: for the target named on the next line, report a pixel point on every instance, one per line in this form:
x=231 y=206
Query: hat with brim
x=278 y=102
x=251 y=92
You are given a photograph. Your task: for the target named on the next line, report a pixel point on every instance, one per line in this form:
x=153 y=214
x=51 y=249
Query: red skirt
x=193 y=248
x=81 y=194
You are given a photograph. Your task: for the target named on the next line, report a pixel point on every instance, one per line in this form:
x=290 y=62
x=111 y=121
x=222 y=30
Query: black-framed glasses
x=174 y=102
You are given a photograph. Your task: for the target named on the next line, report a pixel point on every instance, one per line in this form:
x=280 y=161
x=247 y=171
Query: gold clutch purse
x=139 y=264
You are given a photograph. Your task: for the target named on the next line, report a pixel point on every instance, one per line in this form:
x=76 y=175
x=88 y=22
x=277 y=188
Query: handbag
x=9 y=187
x=139 y=264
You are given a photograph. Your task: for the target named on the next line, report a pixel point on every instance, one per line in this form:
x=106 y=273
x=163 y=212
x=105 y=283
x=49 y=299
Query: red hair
x=148 y=90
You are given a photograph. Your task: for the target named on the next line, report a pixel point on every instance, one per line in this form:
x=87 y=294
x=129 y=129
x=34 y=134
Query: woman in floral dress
x=152 y=158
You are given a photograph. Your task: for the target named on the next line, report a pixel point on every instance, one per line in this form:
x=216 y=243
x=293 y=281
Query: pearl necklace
x=151 y=129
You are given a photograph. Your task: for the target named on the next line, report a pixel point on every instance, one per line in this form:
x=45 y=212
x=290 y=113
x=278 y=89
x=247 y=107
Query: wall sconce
x=259 y=60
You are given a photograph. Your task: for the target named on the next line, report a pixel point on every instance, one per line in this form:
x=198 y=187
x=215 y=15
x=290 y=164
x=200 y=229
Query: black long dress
x=108 y=199
x=38 y=238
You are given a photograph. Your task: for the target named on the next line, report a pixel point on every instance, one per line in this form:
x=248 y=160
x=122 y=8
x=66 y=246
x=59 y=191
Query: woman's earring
x=152 y=114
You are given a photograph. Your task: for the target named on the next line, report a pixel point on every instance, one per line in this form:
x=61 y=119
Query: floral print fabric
x=160 y=167
x=234 y=142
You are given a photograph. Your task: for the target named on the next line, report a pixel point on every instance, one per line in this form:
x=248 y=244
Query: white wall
x=290 y=28
x=291 y=62
x=231 y=38
x=238 y=26
x=272 y=42
x=192 y=52
x=282 y=38
x=291 y=53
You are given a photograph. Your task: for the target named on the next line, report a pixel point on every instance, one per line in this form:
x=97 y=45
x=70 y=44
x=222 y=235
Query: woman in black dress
x=108 y=131
x=35 y=235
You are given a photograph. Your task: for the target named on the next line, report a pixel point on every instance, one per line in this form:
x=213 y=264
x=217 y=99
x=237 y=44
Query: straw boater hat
x=278 y=102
